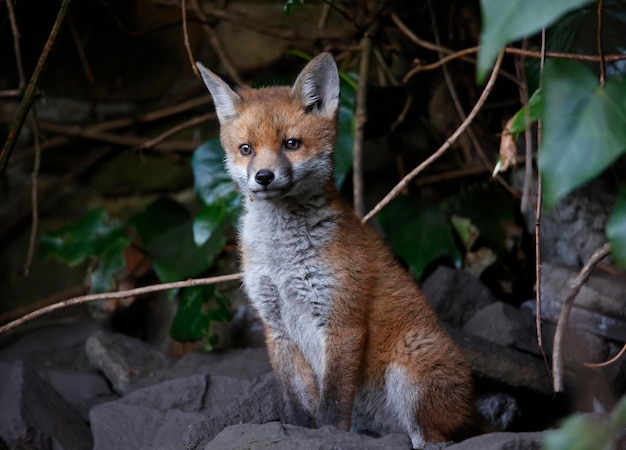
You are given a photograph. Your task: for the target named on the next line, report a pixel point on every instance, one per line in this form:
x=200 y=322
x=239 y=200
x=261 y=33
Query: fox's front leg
x=295 y=376
x=344 y=352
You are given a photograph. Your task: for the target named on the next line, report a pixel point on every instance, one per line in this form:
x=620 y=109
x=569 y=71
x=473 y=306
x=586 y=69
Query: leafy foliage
x=94 y=237
x=583 y=127
x=616 y=230
x=418 y=232
x=588 y=432
x=165 y=229
x=198 y=307
x=509 y=20
x=290 y=6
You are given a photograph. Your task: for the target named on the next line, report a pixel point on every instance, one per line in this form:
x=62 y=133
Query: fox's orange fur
x=352 y=340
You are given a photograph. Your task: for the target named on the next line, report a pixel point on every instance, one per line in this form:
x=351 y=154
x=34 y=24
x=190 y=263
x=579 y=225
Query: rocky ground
x=76 y=384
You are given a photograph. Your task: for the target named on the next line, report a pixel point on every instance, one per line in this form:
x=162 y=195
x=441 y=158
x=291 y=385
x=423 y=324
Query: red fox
x=352 y=340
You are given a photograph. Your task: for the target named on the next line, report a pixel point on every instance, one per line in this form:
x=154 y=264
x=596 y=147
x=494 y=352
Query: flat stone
x=123 y=359
x=165 y=414
x=289 y=437
x=456 y=295
x=505 y=365
x=502 y=441
x=34 y=415
x=259 y=403
x=82 y=390
x=504 y=324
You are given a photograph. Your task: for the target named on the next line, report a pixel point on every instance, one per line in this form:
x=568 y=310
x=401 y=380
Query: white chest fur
x=284 y=273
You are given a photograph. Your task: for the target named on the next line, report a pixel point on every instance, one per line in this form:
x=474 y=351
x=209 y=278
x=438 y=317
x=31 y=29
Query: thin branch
x=186 y=39
x=359 y=127
x=600 y=44
x=538 y=211
x=16 y=44
x=609 y=362
x=82 y=55
x=444 y=147
x=524 y=96
x=216 y=44
x=188 y=124
x=34 y=229
x=120 y=294
x=112 y=138
x=54 y=190
x=574 y=287
x=29 y=94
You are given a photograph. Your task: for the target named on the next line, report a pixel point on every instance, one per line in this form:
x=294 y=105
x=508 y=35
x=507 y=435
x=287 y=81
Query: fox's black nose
x=264 y=177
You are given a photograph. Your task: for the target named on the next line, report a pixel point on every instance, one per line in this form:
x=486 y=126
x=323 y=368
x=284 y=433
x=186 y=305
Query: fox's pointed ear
x=226 y=100
x=317 y=86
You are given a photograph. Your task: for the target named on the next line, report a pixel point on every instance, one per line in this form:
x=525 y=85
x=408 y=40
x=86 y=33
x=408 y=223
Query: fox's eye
x=245 y=149
x=292 y=144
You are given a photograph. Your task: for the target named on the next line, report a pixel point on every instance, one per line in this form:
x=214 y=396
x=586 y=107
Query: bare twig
x=34 y=229
x=18 y=216
x=359 y=128
x=120 y=294
x=609 y=362
x=574 y=287
x=600 y=44
x=528 y=168
x=192 y=60
x=29 y=94
x=538 y=211
x=16 y=44
x=339 y=33
x=112 y=138
x=444 y=147
x=216 y=44
x=188 y=124
x=80 y=49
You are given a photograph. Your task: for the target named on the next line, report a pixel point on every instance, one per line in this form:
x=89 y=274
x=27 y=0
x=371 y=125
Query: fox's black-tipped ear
x=226 y=100
x=317 y=86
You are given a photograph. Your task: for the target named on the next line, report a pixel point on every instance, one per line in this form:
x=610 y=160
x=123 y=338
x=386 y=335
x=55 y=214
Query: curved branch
x=444 y=147
x=120 y=294
x=574 y=287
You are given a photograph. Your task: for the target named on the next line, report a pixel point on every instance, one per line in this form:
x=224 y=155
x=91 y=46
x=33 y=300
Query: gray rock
x=505 y=365
x=456 y=295
x=290 y=437
x=246 y=363
x=82 y=390
x=34 y=415
x=502 y=441
x=259 y=403
x=123 y=359
x=162 y=415
x=504 y=324
x=56 y=346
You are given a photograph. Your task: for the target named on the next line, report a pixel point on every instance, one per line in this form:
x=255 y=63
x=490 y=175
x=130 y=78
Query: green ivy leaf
x=290 y=6
x=207 y=221
x=345 y=137
x=198 y=307
x=77 y=242
x=505 y=21
x=190 y=322
x=616 y=230
x=212 y=182
x=534 y=107
x=418 y=233
x=110 y=262
x=588 y=432
x=583 y=124
x=166 y=232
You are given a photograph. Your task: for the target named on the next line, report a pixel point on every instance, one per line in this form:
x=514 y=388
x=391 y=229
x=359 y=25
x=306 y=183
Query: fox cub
x=352 y=341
